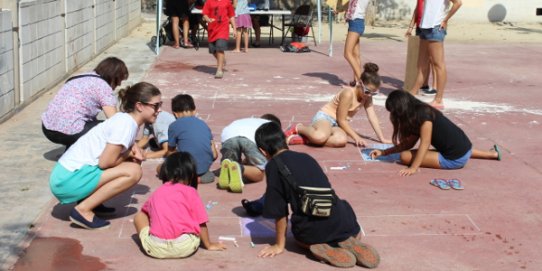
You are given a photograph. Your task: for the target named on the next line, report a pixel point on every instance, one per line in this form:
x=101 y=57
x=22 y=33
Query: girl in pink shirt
x=172 y=222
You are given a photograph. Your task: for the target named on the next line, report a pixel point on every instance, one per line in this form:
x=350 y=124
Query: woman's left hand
x=270 y=251
x=137 y=153
x=408 y=171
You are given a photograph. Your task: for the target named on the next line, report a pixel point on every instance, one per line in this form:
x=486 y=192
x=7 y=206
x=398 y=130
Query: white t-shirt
x=121 y=129
x=242 y=127
x=361 y=6
x=434 y=12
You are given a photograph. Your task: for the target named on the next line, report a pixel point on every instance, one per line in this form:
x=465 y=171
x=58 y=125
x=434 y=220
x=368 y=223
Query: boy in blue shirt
x=190 y=134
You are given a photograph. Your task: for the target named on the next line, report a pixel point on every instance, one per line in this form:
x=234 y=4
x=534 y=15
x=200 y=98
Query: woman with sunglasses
x=331 y=125
x=105 y=161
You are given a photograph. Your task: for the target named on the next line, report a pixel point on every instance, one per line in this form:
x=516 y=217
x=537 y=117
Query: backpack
x=295 y=47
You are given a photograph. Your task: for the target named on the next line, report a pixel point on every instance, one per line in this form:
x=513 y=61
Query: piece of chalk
x=252 y=244
x=338 y=168
x=235 y=244
x=226 y=238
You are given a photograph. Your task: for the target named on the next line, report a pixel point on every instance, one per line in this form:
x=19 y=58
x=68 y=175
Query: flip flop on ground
x=440 y=183
x=455 y=184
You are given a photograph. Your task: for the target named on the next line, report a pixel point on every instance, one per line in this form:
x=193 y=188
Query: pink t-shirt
x=173 y=210
x=76 y=103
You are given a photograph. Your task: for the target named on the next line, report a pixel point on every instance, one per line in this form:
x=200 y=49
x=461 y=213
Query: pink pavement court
x=493 y=94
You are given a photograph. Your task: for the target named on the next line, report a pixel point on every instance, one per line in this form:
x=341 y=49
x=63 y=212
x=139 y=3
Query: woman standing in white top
x=355 y=16
x=431 y=20
x=105 y=161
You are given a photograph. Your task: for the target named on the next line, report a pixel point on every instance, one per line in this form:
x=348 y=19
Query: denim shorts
x=235 y=147
x=454 y=164
x=356 y=25
x=218 y=45
x=320 y=115
x=431 y=34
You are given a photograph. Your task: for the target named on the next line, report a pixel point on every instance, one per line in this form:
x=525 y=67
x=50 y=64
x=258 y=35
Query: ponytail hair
x=370 y=75
x=113 y=71
x=141 y=92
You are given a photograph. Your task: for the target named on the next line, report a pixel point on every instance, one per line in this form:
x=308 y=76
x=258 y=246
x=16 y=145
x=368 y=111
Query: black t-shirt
x=447 y=138
x=310 y=230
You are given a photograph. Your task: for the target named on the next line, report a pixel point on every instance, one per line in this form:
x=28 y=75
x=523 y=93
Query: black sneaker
x=428 y=92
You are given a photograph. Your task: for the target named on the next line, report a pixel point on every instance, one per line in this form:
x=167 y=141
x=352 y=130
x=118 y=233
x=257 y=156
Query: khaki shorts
x=181 y=247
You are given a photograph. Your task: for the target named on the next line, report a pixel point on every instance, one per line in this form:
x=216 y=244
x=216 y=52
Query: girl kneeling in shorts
x=415 y=120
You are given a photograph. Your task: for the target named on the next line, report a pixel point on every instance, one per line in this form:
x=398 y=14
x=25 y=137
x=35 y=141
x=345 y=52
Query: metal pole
x=330 y=21
x=158 y=22
x=319 y=6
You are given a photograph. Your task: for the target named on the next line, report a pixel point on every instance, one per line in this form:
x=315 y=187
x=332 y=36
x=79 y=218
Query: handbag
x=314 y=201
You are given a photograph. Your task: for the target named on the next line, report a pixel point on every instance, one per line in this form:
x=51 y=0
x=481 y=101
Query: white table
x=271 y=12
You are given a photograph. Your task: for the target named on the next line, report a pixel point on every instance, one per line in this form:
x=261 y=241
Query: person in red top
x=219 y=14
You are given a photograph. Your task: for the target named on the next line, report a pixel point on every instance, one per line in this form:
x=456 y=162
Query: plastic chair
x=302 y=18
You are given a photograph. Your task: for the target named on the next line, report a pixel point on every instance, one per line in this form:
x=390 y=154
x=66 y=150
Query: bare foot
x=436 y=105
x=236 y=51
x=176 y=45
x=245 y=51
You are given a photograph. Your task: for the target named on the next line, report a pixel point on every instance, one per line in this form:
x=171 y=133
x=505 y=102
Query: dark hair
x=272 y=118
x=370 y=75
x=113 y=71
x=179 y=167
x=182 y=103
x=140 y=92
x=407 y=114
x=270 y=138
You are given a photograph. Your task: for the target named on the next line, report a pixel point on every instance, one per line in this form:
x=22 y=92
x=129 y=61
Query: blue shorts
x=69 y=187
x=320 y=115
x=454 y=164
x=431 y=34
x=356 y=25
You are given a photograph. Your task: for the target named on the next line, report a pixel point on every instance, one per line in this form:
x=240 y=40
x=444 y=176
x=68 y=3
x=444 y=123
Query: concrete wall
x=53 y=38
x=7 y=91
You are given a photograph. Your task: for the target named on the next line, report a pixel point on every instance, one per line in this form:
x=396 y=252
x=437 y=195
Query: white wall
x=7 y=93
x=53 y=38
x=471 y=10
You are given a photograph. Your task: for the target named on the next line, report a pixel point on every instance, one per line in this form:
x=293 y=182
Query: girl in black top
x=415 y=120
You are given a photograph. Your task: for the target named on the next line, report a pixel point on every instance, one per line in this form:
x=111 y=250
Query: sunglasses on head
x=155 y=106
x=368 y=92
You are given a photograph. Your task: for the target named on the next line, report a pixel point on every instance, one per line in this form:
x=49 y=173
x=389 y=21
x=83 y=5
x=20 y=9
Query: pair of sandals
x=447 y=184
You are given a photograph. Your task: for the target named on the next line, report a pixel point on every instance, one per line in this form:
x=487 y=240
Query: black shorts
x=177 y=8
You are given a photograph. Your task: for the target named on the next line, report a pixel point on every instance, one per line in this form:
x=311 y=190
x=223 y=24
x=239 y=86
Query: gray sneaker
x=219 y=74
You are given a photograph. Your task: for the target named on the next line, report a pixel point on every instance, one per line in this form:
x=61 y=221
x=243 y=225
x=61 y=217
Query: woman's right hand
x=375 y=154
x=408 y=33
x=359 y=142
